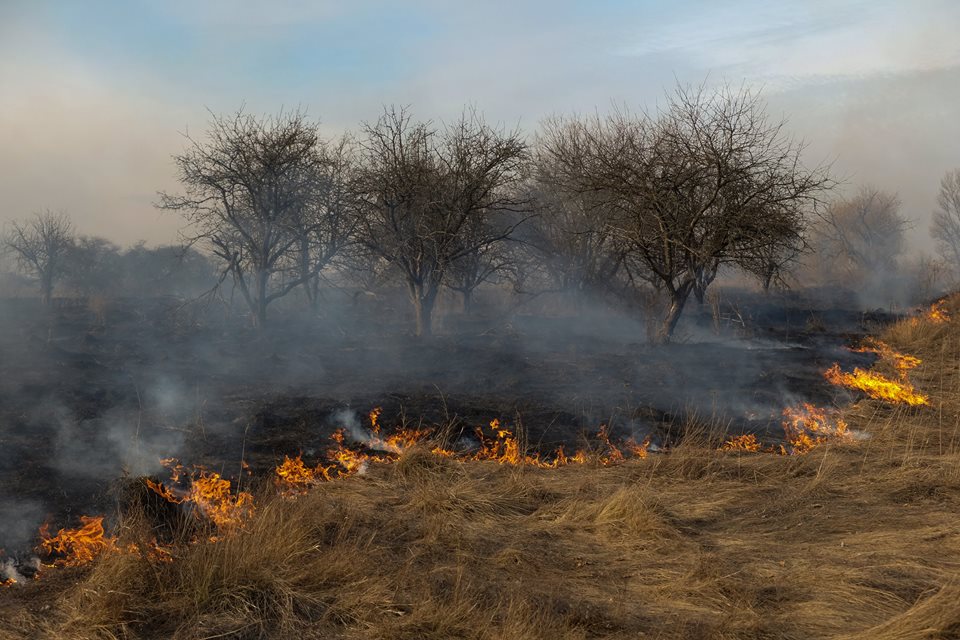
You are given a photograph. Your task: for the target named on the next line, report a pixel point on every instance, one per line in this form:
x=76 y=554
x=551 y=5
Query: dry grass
x=857 y=540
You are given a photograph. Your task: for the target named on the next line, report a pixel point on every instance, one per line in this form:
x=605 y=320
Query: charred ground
x=856 y=538
x=91 y=394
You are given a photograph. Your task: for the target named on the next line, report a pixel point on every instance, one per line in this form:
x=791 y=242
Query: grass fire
x=435 y=321
x=384 y=496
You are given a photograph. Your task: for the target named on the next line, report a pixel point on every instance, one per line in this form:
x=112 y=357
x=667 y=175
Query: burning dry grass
x=855 y=539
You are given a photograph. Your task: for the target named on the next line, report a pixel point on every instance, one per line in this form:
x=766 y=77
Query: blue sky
x=94 y=93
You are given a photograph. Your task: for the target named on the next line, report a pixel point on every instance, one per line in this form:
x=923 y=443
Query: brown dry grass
x=857 y=540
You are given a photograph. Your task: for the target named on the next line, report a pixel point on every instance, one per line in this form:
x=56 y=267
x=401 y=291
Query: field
x=853 y=536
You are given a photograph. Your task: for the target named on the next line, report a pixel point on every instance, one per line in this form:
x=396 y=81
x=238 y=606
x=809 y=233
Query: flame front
x=745 y=442
x=294 y=477
x=901 y=361
x=497 y=444
x=937 y=313
x=876 y=386
x=212 y=494
x=807 y=427
x=76 y=547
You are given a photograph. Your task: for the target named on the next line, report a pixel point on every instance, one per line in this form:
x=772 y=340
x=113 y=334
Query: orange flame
x=211 y=493
x=937 y=313
x=807 y=427
x=638 y=450
x=293 y=476
x=76 y=547
x=876 y=386
x=502 y=446
x=613 y=454
x=745 y=442
x=901 y=362
x=374 y=416
x=163 y=491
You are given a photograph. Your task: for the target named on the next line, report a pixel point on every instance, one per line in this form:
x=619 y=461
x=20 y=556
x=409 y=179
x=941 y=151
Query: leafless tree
x=862 y=237
x=708 y=181
x=423 y=189
x=330 y=218
x=93 y=266
x=770 y=264
x=945 y=224
x=482 y=262
x=41 y=245
x=572 y=247
x=248 y=187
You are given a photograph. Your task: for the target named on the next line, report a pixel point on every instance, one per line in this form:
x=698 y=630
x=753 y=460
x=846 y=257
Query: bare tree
x=572 y=247
x=705 y=183
x=41 y=245
x=93 y=266
x=862 y=237
x=330 y=218
x=770 y=264
x=482 y=262
x=422 y=191
x=945 y=224
x=248 y=187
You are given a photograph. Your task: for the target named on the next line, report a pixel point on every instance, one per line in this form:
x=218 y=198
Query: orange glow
x=211 y=493
x=937 y=313
x=163 y=491
x=876 y=386
x=745 y=442
x=374 y=416
x=641 y=450
x=497 y=444
x=807 y=427
x=613 y=453
x=901 y=362
x=293 y=476
x=76 y=547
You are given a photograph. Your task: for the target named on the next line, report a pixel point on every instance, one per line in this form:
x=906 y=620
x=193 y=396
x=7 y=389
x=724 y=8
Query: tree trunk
x=47 y=292
x=767 y=281
x=467 y=301
x=700 y=293
x=313 y=293
x=678 y=298
x=423 y=298
x=261 y=312
x=311 y=283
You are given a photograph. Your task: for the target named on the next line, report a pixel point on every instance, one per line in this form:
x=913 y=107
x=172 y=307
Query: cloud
x=783 y=44
x=94 y=115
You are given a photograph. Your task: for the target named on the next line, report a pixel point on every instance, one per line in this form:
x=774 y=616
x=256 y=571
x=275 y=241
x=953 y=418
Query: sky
x=95 y=96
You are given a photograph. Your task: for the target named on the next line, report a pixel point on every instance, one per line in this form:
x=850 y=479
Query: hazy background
x=94 y=94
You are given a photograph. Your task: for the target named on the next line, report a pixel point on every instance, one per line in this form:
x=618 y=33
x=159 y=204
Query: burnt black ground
x=85 y=399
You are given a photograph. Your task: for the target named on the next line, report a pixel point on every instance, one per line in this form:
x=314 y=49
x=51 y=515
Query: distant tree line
x=46 y=248
x=637 y=206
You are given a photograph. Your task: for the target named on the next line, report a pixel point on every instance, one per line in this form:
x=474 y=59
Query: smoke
x=122 y=439
x=347 y=419
x=84 y=402
x=19 y=520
